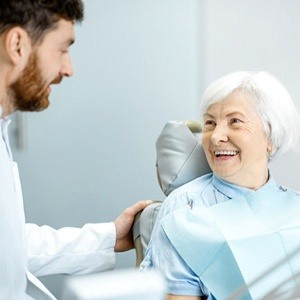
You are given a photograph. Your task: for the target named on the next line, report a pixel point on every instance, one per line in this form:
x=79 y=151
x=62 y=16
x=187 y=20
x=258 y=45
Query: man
x=35 y=36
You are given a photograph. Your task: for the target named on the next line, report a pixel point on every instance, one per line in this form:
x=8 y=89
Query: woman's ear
x=271 y=149
x=18 y=46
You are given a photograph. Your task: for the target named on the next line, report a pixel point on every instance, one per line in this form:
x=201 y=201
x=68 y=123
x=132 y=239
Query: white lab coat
x=28 y=251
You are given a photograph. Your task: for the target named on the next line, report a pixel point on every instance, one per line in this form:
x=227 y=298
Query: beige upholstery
x=180 y=159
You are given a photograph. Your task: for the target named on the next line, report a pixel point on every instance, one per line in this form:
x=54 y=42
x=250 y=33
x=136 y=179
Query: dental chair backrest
x=180 y=159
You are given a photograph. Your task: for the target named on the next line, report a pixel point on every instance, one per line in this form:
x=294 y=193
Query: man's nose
x=66 y=67
x=219 y=135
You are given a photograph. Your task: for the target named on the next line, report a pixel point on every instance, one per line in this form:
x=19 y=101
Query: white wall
x=92 y=153
x=256 y=35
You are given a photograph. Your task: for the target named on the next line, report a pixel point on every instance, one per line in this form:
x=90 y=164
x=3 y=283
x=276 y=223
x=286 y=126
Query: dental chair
x=180 y=159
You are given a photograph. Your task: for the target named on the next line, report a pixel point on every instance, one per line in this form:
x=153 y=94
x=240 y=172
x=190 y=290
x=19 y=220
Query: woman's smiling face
x=234 y=141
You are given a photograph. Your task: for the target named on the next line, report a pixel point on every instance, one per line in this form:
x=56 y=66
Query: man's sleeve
x=70 y=250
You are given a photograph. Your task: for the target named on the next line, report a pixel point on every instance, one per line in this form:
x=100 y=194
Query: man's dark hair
x=38 y=16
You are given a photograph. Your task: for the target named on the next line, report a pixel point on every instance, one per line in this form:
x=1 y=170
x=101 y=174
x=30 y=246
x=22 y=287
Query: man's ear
x=18 y=45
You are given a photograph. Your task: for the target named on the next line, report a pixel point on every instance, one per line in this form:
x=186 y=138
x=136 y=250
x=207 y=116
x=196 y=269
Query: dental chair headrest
x=180 y=156
x=180 y=159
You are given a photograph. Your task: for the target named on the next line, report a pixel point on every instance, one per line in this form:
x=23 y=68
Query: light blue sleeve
x=161 y=254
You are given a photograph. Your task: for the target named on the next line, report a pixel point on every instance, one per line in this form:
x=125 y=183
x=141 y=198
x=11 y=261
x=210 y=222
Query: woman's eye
x=235 y=121
x=209 y=123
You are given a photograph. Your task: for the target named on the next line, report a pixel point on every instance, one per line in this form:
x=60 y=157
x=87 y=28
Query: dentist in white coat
x=35 y=37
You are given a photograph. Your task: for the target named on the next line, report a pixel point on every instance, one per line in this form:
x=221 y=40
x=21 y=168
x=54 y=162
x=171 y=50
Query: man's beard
x=29 y=91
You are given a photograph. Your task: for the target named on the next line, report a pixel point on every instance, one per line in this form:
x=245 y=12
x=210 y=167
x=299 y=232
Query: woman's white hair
x=275 y=105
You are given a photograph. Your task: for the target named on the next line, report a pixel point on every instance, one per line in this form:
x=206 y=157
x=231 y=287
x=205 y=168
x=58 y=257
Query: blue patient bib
x=243 y=248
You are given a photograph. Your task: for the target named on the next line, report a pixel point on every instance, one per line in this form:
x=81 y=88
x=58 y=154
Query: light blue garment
x=186 y=227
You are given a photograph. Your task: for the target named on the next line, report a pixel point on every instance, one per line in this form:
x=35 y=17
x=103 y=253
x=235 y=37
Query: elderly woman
x=234 y=233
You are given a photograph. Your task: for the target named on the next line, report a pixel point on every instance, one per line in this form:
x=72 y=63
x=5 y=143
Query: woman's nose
x=219 y=135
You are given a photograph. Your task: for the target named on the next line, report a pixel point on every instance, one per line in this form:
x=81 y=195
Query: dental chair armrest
x=142 y=229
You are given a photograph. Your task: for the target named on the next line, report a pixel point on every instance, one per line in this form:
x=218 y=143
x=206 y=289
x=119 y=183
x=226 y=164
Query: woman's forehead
x=235 y=103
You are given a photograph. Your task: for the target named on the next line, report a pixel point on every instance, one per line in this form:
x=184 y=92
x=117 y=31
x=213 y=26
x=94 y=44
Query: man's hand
x=124 y=224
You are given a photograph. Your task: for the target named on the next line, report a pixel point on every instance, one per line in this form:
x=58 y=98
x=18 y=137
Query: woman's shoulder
x=290 y=191
x=193 y=186
x=186 y=193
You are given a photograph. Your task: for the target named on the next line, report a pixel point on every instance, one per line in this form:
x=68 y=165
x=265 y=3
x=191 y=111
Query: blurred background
x=139 y=64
